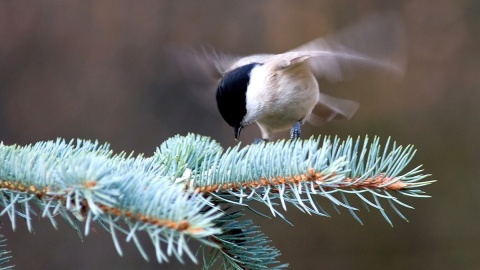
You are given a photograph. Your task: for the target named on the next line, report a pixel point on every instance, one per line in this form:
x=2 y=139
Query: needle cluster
x=183 y=190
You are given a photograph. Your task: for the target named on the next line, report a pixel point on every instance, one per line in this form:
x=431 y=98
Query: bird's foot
x=295 y=131
x=258 y=140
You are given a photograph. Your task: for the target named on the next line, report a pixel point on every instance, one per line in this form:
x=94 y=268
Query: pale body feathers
x=281 y=92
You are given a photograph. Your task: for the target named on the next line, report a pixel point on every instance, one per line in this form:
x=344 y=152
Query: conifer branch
x=176 y=194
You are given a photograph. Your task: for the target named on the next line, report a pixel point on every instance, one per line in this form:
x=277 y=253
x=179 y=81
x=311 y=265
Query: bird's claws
x=295 y=131
x=258 y=140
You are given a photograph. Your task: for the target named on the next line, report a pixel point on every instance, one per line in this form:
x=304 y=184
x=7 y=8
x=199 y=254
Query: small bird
x=280 y=91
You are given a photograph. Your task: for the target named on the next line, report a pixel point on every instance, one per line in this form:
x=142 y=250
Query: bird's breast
x=277 y=99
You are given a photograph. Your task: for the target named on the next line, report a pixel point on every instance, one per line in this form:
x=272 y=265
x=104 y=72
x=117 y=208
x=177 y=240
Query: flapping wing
x=207 y=64
x=376 y=42
x=332 y=108
x=201 y=71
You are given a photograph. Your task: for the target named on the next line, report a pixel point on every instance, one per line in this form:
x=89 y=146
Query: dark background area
x=100 y=70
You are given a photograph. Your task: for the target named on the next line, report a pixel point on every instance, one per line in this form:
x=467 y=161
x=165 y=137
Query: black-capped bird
x=280 y=91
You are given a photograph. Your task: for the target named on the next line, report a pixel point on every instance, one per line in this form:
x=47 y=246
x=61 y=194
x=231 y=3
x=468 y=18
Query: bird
x=280 y=92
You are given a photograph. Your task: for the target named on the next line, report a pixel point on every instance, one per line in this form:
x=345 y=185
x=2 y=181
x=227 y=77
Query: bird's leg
x=295 y=131
x=258 y=140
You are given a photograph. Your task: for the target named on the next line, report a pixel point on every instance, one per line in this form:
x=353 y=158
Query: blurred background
x=100 y=70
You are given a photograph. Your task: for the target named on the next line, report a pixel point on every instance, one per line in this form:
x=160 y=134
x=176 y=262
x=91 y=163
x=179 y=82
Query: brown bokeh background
x=100 y=70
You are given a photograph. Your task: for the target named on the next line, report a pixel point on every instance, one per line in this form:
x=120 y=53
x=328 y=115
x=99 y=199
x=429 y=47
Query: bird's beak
x=236 y=131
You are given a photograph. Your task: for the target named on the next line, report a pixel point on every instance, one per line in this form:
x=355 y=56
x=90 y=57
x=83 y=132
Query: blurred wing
x=332 y=108
x=256 y=58
x=206 y=64
x=201 y=72
x=376 y=42
x=290 y=59
x=221 y=61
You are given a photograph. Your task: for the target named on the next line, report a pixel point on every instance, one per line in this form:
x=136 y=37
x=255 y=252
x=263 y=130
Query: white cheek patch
x=256 y=94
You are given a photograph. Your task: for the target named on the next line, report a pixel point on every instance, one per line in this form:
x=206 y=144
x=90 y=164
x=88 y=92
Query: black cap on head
x=231 y=96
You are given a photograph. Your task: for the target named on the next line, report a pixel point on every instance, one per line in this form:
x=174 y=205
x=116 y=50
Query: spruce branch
x=176 y=194
x=295 y=172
